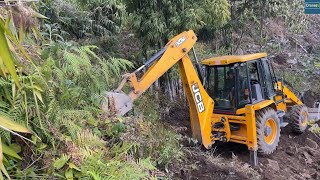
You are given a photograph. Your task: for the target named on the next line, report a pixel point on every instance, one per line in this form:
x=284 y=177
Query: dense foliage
x=168 y=18
x=55 y=66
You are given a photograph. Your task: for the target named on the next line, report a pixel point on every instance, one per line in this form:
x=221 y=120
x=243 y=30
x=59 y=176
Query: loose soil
x=297 y=156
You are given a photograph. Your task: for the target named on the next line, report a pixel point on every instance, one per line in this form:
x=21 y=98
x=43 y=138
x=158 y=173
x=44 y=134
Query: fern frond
x=4 y=107
x=4 y=83
x=118 y=64
x=5 y=135
x=86 y=138
x=88 y=50
x=72 y=63
x=59 y=74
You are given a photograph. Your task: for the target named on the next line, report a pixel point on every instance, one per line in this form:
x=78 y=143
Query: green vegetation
x=57 y=58
x=53 y=85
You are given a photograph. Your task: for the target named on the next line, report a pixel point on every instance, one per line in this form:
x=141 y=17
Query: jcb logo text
x=198 y=97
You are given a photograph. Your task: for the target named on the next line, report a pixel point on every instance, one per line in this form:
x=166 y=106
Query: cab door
x=268 y=83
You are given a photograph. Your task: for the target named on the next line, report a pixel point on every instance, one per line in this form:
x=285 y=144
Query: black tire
x=268 y=141
x=299 y=118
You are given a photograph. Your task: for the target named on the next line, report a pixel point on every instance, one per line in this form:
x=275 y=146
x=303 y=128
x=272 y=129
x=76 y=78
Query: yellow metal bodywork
x=256 y=107
x=201 y=105
x=171 y=57
x=201 y=127
x=289 y=96
x=225 y=60
x=177 y=53
x=245 y=135
x=246 y=118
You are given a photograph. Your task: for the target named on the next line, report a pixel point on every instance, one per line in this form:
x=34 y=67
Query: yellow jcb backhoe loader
x=232 y=99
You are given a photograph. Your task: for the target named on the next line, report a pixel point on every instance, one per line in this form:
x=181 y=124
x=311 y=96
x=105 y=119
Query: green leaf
x=5 y=160
x=16 y=42
x=146 y=163
x=34 y=139
x=69 y=174
x=73 y=166
x=15 y=147
x=3 y=169
x=38 y=95
x=92 y=121
x=37 y=88
x=94 y=175
x=1 y=176
x=9 y=24
x=118 y=128
x=59 y=163
x=1 y=154
x=9 y=151
x=6 y=55
x=8 y=123
x=42 y=146
x=3 y=69
x=38 y=15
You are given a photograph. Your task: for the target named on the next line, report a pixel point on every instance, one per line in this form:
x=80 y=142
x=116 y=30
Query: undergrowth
x=152 y=138
x=72 y=137
x=315 y=127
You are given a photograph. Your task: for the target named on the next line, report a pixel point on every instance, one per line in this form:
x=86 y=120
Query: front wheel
x=299 y=118
x=268 y=130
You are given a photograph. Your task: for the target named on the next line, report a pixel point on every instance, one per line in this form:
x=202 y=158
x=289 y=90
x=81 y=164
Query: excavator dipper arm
x=175 y=52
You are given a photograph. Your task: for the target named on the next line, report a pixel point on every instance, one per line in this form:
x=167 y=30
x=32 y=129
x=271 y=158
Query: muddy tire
x=299 y=118
x=268 y=130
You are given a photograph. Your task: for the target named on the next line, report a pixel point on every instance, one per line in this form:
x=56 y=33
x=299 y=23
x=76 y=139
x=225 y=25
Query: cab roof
x=225 y=60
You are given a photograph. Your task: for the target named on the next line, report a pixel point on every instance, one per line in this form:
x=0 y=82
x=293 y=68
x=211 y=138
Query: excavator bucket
x=116 y=103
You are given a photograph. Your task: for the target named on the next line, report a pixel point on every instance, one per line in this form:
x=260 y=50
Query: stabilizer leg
x=253 y=158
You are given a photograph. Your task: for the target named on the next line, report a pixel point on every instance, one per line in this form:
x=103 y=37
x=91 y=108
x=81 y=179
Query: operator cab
x=235 y=81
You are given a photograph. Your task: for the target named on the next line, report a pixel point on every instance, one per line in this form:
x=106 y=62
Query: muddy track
x=297 y=157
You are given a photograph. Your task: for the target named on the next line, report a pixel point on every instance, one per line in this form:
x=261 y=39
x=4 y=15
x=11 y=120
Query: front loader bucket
x=116 y=103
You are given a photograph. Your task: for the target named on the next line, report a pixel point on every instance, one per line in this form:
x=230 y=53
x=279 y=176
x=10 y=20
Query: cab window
x=221 y=86
x=268 y=80
x=242 y=85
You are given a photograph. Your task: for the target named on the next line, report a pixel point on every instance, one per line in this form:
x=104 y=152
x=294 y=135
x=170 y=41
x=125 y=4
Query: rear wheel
x=268 y=130
x=299 y=118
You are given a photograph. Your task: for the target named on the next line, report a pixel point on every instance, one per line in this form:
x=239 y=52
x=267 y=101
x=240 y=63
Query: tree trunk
x=169 y=90
x=157 y=87
x=262 y=7
x=174 y=88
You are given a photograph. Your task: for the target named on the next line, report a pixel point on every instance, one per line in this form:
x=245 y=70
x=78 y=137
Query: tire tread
x=295 y=118
x=261 y=117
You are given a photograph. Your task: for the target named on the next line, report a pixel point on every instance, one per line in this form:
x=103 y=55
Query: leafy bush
x=293 y=14
x=88 y=157
x=73 y=68
x=20 y=93
x=168 y=18
x=84 y=18
x=152 y=138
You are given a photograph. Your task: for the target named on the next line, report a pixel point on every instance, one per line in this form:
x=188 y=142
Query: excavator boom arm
x=175 y=52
